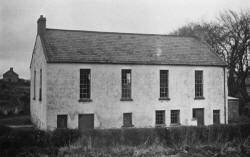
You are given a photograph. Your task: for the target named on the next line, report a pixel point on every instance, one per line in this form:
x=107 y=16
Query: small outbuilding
x=233 y=109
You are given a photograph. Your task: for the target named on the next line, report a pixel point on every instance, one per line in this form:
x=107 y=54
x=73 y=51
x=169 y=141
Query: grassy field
x=221 y=140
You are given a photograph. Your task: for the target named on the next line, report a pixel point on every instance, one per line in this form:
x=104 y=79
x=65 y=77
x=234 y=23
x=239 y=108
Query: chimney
x=11 y=69
x=41 y=25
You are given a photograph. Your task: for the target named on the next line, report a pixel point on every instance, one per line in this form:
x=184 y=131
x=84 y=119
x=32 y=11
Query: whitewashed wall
x=63 y=94
x=38 y=108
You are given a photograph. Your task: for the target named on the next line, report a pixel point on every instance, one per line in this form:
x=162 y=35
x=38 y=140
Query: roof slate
x=70 y=46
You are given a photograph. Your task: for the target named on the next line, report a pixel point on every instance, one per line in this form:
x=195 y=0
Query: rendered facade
x=86 y=80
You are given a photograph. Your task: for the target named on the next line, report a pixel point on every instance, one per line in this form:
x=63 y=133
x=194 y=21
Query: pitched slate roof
x=70 y=46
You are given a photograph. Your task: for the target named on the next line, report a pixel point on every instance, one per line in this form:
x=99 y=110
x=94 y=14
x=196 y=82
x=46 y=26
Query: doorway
x=86 y=122
x=198 y=113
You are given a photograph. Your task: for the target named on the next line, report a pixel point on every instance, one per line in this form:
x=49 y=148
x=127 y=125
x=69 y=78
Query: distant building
x=10 y=76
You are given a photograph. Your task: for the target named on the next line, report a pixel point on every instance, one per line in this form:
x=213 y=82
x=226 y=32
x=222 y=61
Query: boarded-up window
x=40 y=89
x=34 y=85
x=216 y=116
x=160 y=117
x=175 y=116
x=62 y=121
x=198 y=83
x=84 y=83
x=163 y=83
x=126 y=84
x=127 y=119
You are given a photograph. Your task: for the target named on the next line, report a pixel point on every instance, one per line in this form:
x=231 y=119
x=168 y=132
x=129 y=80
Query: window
x=175 y=116
x=126 y=84
x=164 y=84
x=127 y=120
x=84 y=84
x=62 y=121
x=160 y=117
x=216 y=116
x=198 y=84
x=40 y=89
x=34 y=85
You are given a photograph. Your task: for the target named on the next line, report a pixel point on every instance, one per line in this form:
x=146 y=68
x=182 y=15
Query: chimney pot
x=41 y=25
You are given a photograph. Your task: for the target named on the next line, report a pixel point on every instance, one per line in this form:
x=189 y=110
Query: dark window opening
x=127 y=120
x=40 y=89
x=34 y=85
x=160 y=117
x=126 y=84
x=84 y=83
x=216 y=116
x=175 y=116
x=198 y=84
x=62 y=121
x=163 y=83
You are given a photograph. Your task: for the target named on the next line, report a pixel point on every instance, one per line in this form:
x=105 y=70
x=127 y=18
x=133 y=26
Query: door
x=86 y=122
x=198 y=113
x=62 y=121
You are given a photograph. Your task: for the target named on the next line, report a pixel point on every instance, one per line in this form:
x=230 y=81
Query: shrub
x=27 y=142
x=4 y=130
x=62 y=137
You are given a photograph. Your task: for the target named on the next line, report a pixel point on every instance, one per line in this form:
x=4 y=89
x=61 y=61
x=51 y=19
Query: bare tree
x=229 y=37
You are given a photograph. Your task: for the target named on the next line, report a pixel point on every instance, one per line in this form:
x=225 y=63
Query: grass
x=221 y=140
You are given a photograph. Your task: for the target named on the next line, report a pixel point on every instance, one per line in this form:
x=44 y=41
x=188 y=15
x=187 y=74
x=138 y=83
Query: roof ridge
x=122 y=33
x=81 y=46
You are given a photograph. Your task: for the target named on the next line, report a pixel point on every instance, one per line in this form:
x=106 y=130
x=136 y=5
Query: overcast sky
x=18 y=20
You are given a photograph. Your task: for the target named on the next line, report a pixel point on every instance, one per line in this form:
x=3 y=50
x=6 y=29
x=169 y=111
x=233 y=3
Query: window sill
x=85 y=100
x=128 y=126
x=126 y=99
x=160 y=125
x=199 y=98
x=175 y=124
x=164 y=98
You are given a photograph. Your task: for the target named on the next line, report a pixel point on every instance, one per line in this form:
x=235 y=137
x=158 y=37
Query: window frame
x=85 y=85
x=199 y=84
x=174 y=120
x=164 y=85
x=126 y=85
x=163 y=118
x=128 y=116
